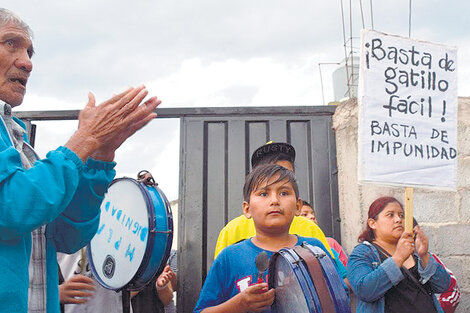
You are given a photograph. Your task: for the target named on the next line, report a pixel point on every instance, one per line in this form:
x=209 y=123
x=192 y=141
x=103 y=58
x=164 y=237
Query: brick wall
x=444 y=216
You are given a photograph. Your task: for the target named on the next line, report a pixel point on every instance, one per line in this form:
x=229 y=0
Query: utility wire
x=344 y=41
x=372 y=14
x=409 y=21
x=362 y=15
x=350 y=77
x=321 y=78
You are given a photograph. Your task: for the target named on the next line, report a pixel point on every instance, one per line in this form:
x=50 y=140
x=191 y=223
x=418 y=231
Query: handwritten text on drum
x=125 y=223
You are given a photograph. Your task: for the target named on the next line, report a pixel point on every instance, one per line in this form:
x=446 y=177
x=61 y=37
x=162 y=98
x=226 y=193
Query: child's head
x=271 y=197
x=265 y=173
x=307 y=211
x=279 y=153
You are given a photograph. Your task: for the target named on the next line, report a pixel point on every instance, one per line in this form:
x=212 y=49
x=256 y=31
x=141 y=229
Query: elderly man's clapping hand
x=104 y=127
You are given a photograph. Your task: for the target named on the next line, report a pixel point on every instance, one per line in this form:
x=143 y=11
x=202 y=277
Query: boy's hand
x=256 y=298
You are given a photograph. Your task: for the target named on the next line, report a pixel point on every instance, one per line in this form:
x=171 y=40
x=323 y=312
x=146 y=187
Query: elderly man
x=51 y=204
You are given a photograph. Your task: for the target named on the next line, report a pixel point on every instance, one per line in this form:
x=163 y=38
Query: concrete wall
x=444 y=216
x=175 y=213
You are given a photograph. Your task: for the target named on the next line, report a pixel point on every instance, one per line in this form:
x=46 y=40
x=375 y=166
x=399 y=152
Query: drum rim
x=150 y=239
x=169 y=217
x=150 y=242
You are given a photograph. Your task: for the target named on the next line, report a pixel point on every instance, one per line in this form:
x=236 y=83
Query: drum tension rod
x=161 y=231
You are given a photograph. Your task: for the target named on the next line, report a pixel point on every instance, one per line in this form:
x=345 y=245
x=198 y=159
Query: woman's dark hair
x=374 y=210
x=261 y=174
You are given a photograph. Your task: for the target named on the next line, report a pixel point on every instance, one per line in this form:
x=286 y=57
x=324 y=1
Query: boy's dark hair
x=309 y=205
x=274 y=158
x=263 y=173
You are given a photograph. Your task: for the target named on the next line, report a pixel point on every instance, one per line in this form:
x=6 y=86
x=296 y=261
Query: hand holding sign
x=421 y=246
x=404 y=249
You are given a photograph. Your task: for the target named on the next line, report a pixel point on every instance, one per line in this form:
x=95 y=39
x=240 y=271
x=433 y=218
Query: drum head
x=292 y=284
x=123 y=242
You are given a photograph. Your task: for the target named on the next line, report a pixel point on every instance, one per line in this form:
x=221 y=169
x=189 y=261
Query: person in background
x=450 y=298
x=391 y=270
x=173 y=263
x=164 y=285
x=52 y=204
x=80 y=292
x=154 y=296
x=241 y=228
x=308 y=212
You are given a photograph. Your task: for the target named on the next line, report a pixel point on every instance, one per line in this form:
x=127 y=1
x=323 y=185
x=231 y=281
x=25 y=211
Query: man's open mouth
x=22 y=81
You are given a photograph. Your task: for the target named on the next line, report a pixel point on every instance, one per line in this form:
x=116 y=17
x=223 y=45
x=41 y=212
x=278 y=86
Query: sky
x=200 y=53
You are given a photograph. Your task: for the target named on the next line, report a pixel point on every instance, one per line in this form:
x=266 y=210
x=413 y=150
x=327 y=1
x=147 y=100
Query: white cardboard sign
x=407 y=112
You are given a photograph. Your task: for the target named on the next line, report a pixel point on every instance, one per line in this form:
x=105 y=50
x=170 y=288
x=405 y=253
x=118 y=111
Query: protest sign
x=407 y=112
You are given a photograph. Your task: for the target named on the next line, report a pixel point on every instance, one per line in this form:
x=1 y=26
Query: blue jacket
x=59 y=191
x=371 y=279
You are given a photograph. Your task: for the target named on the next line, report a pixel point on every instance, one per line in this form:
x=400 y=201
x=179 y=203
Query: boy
x=307 y=211
x=241 y=228
x=271 y=199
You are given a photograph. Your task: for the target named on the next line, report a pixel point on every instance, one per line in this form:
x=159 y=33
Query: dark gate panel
x=215 y=157
x=215 y=149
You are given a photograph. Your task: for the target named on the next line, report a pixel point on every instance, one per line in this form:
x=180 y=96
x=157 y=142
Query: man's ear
x=298 y=207
x=246 y=209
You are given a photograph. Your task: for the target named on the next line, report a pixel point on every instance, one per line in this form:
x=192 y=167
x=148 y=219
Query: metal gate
x=215 y=149
x=216 y=146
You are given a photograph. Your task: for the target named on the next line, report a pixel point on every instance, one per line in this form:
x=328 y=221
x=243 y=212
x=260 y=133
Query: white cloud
x=154 y=148
x=253 y=82
x=155 y=152
x=203 y=53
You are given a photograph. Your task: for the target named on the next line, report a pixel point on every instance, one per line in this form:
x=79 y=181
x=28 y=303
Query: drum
x=291 y=280
x=134 y=236
x=306 y=281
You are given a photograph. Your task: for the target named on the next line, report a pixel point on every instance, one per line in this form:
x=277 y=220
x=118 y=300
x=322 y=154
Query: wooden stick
x=409 y=209
x=83 y=259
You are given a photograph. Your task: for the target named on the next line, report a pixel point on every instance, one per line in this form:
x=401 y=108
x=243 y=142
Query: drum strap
x=316 y=274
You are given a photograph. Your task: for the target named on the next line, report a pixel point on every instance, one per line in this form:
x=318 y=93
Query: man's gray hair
x=7 y=17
